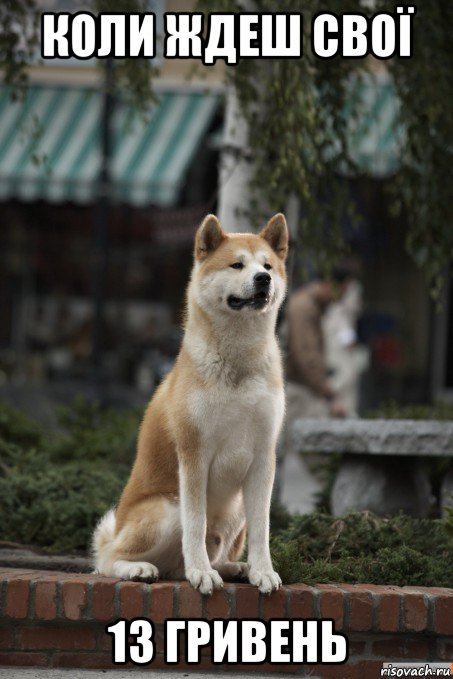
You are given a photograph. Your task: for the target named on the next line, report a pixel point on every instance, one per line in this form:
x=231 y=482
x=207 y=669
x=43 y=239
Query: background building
x=81 y=275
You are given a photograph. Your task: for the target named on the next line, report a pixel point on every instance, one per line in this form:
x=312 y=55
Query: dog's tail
x=102 y=542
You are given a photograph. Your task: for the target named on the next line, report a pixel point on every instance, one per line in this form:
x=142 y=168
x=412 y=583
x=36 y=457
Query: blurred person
x=309 y=391
x=346 y=359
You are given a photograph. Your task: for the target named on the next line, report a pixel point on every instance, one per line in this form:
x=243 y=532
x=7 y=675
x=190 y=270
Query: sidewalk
x=33 y=673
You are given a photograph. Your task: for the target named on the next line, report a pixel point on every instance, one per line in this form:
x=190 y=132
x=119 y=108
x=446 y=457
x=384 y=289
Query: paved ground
x=31 y=673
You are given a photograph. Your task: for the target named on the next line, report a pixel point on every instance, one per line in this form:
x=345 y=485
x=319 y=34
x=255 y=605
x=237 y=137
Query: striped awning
x=375 y=136
x=50 y=145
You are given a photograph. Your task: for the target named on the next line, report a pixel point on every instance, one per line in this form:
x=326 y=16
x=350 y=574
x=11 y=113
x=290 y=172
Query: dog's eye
x=237 y=265
x=268 y=267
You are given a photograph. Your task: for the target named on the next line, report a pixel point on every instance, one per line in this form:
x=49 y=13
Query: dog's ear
x=208 y=238
x=276 y=234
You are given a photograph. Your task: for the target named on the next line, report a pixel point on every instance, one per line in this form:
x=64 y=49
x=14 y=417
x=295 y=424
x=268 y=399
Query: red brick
x=218 y=605
x=388 y=612
x=332 y=604
x=6 y=637
x=24 y=659
x=399 y=647
x=53 y=576
x=433 y=591
x=417 y=649
x=390 y=648
x=356 y=648
x=444 y=615
x=415 y=612
x=189 y=601
x=103 y=601
x=69 y=639
x=6 y=572
x=74 y=599
x=365 y=669
x=17 y=597
x=247 y=601
x=273 y=605
x=132 y=600
x=105 y=641
x=85 y=578
x=93 y=661
x=161 y=606
x=159 y=639
x=360 y=609
x=302 y=600
x=444 y=649
x=258 y=671
x=345 y=671
x=46 y=600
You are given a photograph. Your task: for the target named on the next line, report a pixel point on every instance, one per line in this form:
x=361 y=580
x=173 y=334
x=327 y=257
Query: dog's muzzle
x=260 y=298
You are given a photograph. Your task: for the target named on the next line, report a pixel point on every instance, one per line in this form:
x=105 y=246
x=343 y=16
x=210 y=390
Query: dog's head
x=240 y=273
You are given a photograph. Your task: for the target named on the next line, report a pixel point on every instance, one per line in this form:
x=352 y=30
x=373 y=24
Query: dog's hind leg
x=147 y=541
x=238 y=545
x=232 y=568
x=231 y=542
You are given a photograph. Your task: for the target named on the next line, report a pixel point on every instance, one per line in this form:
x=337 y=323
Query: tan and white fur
x=205 y=462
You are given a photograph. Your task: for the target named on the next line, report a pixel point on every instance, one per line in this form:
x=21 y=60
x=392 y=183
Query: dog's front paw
x=266 y=580
x=204 y=580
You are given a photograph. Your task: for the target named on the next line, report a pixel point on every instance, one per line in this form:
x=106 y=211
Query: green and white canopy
x=375 y=135
x=50 y=142
x=50 y=145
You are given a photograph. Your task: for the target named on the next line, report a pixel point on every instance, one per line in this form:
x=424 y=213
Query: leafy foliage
x=19 y=20
x=424 y=84
x=94 y=434
x=17 y=428
x=295 y=109
x=19 y=46
x=392 y=410
x=132 y=77
x=363 y=548
x=54 y=488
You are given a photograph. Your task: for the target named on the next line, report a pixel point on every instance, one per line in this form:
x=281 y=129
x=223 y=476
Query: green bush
x=361 y=547
x=15 y=427
x=391 y=410
x=53 y=489
x=92 y=433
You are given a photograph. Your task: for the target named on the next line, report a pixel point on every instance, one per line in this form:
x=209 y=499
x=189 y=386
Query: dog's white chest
x=235 y=424
x=224 y=413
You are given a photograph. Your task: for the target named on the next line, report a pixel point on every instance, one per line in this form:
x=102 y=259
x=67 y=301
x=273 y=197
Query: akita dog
x=205 y=462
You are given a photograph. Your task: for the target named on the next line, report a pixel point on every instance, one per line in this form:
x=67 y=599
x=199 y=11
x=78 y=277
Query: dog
x=205 y=463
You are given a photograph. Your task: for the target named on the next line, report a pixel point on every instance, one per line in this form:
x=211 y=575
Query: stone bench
x=380 y=470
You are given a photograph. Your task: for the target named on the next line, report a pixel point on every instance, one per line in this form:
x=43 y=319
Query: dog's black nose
x=262 y=279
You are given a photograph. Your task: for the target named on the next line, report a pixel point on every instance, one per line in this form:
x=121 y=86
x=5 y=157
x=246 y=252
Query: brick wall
x=51 y=619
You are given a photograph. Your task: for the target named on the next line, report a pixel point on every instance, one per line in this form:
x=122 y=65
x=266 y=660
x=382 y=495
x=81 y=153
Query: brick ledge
x=54 y=619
